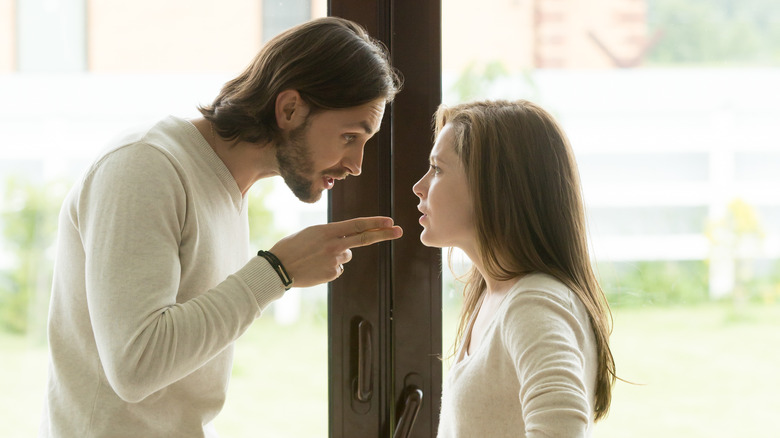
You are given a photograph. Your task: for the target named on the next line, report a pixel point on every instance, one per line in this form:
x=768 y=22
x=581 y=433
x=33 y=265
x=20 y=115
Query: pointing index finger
x=359 y=225
x=369 y=237
x=366 y=231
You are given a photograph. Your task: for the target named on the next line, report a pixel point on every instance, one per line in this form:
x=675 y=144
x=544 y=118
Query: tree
x=29 y=223
x=715 y=32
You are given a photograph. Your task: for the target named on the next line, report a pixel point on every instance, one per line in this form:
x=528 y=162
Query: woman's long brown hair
x=529 y=212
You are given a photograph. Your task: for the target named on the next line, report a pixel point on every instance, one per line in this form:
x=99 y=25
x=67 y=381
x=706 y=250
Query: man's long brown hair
x=333 y=63
x=528 y=209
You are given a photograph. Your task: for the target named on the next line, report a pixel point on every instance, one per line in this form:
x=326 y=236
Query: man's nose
x=354 y=161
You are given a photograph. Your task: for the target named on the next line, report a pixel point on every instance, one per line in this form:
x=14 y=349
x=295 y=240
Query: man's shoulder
x=138 y=153
x=165 y=136
x=161 y=142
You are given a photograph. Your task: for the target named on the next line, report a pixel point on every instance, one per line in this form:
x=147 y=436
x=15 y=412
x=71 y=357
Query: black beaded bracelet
x=278 y=267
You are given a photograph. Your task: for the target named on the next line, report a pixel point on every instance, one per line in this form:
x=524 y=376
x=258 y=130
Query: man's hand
x=317 y=254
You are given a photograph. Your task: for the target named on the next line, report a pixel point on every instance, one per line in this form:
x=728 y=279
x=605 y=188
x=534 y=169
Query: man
x=152 y=284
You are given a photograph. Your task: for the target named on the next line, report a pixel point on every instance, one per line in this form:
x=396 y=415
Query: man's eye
x=349 y=138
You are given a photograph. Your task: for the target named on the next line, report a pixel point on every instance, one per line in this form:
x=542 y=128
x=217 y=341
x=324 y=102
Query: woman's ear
x=291 y=110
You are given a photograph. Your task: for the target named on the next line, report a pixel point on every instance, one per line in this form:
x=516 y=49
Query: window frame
x=394 y=286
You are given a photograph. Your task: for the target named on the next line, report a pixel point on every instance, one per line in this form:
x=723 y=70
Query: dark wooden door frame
x=394 y=289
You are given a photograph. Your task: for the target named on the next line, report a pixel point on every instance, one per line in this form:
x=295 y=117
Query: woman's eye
x=436 y=169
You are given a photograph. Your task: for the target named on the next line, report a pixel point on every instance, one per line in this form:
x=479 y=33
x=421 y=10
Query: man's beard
x=294 y=158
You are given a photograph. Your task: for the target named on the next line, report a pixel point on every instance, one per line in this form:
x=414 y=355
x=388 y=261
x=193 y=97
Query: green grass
x=22 y=385
x=711 y=371
x=706 y=371
x=279 y=386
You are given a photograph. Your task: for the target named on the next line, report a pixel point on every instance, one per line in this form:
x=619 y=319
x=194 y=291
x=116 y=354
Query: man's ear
x=291 y=110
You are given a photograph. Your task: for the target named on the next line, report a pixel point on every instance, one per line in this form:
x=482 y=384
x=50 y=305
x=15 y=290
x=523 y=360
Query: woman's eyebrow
x=438 y=159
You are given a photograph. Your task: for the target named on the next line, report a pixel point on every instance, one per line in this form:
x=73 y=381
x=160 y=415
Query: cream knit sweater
x=153 y=282
x=534 y=373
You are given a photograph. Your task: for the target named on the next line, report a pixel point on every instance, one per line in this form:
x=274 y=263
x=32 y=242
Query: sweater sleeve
x=544 y=339
x=131 y=212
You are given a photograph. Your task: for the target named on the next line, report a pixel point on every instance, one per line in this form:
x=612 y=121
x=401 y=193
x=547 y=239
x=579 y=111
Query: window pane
x=280 y=15
x=670 y=107
x=644 y=167
x=51 y=36
x=139 y=62
x=757 y=166
x=653 y=220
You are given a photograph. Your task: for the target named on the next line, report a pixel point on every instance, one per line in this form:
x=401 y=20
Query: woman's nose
x=419 y=187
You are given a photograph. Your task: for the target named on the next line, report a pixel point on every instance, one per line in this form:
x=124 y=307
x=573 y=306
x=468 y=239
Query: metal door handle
x=364 y=369
x=414 y=396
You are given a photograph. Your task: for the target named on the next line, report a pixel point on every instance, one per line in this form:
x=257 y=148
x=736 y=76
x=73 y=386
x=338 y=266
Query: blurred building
x=528 y=34
x=111 y=36
x=120 y=36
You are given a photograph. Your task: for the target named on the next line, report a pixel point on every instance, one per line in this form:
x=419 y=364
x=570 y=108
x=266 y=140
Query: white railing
x=701 y=124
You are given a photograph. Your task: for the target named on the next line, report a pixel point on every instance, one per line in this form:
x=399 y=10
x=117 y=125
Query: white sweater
x=534 y=373
x=153 y=282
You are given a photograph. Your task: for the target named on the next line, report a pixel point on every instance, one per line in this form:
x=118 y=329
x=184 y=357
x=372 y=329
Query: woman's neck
x=494 y=285
x=498 y=287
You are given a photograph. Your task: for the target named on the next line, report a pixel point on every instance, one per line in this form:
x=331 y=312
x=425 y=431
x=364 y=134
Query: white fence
x=662 y=153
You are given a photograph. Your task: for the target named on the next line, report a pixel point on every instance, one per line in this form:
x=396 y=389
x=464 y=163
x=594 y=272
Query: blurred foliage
x=474 y=82
x=655 y=283
x=715 y=32
x=759 y=281
x=262 y=232
x=682 y=283
x=29 y=223
x=739 y=226
x=737 y=238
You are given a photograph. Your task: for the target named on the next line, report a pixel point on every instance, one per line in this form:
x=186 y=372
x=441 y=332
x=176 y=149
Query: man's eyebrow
x=364 y=125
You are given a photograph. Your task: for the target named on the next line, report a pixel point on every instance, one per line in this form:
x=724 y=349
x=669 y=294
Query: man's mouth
x=329 y=181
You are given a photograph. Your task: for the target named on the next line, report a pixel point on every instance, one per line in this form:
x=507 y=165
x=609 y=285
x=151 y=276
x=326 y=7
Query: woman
x=533 y=355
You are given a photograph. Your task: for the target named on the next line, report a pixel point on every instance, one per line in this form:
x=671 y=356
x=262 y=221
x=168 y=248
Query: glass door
x=280 y=369
x=117 y=65
x=670 y=109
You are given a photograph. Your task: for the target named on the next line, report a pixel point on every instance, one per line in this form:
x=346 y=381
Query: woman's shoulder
x=540 y=303
x=543 y=294
x=540 y=285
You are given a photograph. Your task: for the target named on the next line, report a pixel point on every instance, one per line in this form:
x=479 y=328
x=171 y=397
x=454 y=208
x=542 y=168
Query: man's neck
x=247 y=162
